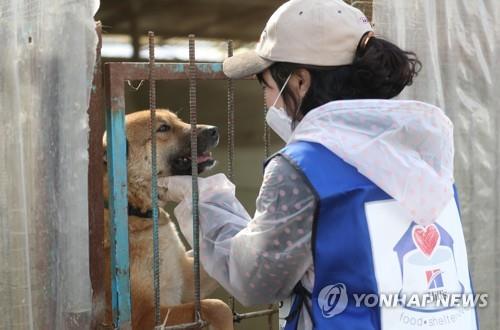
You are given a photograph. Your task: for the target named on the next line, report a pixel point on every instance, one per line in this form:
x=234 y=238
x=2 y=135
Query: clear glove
x=212 y=190
x=180 y=187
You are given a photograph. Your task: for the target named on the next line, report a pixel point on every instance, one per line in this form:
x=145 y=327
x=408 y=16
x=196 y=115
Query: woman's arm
x=257 y=260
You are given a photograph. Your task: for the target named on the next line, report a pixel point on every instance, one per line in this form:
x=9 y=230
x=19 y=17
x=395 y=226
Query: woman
x=358 y=211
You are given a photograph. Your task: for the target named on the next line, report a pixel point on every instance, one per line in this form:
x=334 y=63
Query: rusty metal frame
x=95 y=189
x=366 y=6
x=116 y=74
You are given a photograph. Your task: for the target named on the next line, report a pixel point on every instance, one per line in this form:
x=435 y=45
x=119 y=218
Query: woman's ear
x=303 y=83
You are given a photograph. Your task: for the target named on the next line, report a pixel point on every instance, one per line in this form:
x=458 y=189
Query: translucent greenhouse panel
x=458 y=43
x=46 y=69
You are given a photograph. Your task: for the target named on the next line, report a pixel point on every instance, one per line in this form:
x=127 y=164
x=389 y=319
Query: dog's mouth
x=182 y=165
x=208 y=138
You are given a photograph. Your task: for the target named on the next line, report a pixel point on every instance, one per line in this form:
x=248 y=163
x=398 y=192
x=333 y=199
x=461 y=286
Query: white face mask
x=277 y=118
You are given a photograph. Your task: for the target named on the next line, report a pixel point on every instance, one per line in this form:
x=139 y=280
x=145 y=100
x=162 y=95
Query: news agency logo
x=332 y=300
x=434 y=279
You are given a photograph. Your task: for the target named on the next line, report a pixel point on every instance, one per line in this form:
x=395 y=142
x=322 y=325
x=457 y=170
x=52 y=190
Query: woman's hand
x=179 y=187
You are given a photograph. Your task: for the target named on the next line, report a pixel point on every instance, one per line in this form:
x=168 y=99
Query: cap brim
x=244 y=65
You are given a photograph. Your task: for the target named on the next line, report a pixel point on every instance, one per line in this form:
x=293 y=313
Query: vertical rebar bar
x=230 y=134
x=230 y=118
x=154 y=178
x=267 y=133
x=270 y=318
x=194 y=172
x=267 y=151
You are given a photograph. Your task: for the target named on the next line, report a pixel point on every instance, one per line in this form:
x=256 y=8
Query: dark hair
x=380 y=70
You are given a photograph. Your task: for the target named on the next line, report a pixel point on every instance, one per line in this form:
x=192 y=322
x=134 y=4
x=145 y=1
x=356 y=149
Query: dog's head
x=173 y=151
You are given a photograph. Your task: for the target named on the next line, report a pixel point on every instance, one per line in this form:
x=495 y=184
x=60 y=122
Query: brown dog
x=176 y=266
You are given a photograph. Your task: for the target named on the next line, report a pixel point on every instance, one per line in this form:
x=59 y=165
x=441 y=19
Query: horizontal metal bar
x=119 y=72
x=195 y=325
x=238 y=317
x=166 y=71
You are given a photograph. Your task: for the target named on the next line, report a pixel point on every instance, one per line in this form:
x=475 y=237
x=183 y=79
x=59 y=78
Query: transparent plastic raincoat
x=404 y=147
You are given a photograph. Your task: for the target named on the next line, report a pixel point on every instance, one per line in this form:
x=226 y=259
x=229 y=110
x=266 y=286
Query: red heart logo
x=426 y=238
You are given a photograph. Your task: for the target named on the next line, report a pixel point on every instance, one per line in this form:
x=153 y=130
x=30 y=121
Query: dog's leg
x=208 y=284
x=217 y=313
x=214 y=311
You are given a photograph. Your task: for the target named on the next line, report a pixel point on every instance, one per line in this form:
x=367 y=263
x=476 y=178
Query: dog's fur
x=176 y=266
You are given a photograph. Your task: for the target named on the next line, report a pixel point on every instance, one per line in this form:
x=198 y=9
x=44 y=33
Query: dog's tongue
x=204 y=157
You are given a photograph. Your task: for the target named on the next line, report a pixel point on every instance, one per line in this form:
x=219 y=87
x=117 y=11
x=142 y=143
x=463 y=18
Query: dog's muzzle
x=208 y=138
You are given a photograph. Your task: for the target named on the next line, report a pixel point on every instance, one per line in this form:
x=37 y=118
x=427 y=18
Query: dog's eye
x=163 y=128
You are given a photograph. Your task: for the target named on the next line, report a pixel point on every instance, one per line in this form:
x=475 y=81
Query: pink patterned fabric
x=404 y=147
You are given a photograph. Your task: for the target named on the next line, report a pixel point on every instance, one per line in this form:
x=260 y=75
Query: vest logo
x=434 y=279
x=332 y=300
x=427 y=263
x=427 y=239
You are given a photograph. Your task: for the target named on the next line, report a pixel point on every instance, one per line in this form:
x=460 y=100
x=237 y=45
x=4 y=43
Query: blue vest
x=364 y=247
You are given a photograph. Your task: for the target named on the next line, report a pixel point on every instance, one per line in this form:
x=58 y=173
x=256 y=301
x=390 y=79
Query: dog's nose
x=213 y=131
x=208 y=137
x=209 y=132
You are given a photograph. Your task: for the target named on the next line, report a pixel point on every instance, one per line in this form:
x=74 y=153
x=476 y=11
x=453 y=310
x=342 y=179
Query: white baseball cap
x=313 y=32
